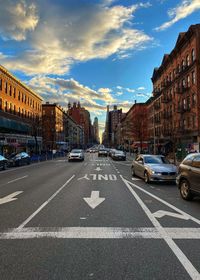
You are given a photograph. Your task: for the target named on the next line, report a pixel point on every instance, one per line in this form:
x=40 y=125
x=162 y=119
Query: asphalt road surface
x=92 y=220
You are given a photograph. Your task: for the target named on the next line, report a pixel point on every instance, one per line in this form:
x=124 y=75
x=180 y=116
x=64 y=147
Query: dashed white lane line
x=44 y=204
x=17 y=179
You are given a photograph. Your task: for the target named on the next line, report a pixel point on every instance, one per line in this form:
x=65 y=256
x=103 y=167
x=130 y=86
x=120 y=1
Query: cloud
x=17 y=18
x=62 y=91
x=119 y=93
x=141 y=88
x=65 y=36
x=186 y=8
x=130 y=90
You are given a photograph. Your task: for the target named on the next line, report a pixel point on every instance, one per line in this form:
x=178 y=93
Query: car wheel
x=146 y=177
x=5 y=166
x=185 y=190
x=133 y=171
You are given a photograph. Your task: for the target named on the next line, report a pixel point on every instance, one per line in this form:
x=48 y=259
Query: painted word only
x=99 y=177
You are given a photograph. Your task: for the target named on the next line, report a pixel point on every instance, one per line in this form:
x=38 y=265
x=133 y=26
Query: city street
x=92 y=220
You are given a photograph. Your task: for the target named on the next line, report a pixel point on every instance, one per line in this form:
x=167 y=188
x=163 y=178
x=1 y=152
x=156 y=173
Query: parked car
x=102 y=153
x=19 y=159
x=3 y=162
x=76 y=154
x=153 y=168
x=188 y=179
x=118 y=155
x=111 y=151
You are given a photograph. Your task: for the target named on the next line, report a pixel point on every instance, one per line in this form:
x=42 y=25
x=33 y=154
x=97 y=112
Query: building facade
x=133 y=127
x=96 y=130
x=20 y=116
x=176 y=92
x=82 y=117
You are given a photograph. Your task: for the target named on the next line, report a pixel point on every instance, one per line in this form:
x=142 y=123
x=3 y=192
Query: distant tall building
x=113 y=118
x=82 y=117
x=96 y=130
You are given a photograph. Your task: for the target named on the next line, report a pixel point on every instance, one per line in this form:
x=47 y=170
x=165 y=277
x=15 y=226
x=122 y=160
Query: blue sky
x=98 y=52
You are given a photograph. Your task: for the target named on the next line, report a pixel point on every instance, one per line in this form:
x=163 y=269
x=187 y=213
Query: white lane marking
x=100 y=232
x=94 y=200
x=136 y=179
x=161 y=213
x=10 y=197
x=98 y=169
x=44 y=204
x=165 y=203
x=83 y=218
x=17 y=179
x=99 y=177
x=191 y=270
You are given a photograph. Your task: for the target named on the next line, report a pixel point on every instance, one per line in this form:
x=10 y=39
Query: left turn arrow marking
x=9 y=197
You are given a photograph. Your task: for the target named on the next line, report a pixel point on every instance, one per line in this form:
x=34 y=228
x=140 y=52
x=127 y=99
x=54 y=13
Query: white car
x=76 y=154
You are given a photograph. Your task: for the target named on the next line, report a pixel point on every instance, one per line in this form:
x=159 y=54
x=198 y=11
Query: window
x=193 y=55
x=193 y=78
x=0 y=84
x=1 y=104
x=14 y=92
x=194 y=99
x=196 y=162
x=188 y=160
x=10 y=90
x=183 y=83
x=183 y=64
x=6 y=87
x=188 y=80
x=188 y=102
x=194 y=121
x=19 y=95
x=188 y=60
x=6 y=106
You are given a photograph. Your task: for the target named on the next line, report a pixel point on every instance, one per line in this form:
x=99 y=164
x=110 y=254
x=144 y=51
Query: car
x=111 y=151
x=118 y=155
x=19 y=159
x=3 y=162
x=102 y=153
x=188 y=179
x=76 y=155
x=153 y=168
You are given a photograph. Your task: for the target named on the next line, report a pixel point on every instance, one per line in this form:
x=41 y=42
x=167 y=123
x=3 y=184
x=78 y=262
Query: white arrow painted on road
x=98 y=169
x=94 y=200
x=161 y=213
x=9 y=197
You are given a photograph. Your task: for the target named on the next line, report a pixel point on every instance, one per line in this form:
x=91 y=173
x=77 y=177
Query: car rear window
x=196 y=162
x=188 y=160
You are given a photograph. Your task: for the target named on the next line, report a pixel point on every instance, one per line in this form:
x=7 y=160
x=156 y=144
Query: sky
x=98 y=52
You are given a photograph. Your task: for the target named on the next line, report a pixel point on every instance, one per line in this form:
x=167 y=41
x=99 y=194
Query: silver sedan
x=153 y=168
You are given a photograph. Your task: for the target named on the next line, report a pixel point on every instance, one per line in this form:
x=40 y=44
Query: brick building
x=113 y=118
x=20 y=115
x=134 y=133
x=60 y=131
x=175 y=114
x=82 y=117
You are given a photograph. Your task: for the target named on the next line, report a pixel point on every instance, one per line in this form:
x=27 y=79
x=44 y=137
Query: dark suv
x=188 y=179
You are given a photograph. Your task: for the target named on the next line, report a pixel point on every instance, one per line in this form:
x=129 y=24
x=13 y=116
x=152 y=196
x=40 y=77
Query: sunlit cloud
x=184 y=9
x=59 y=37
x=17 y=18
